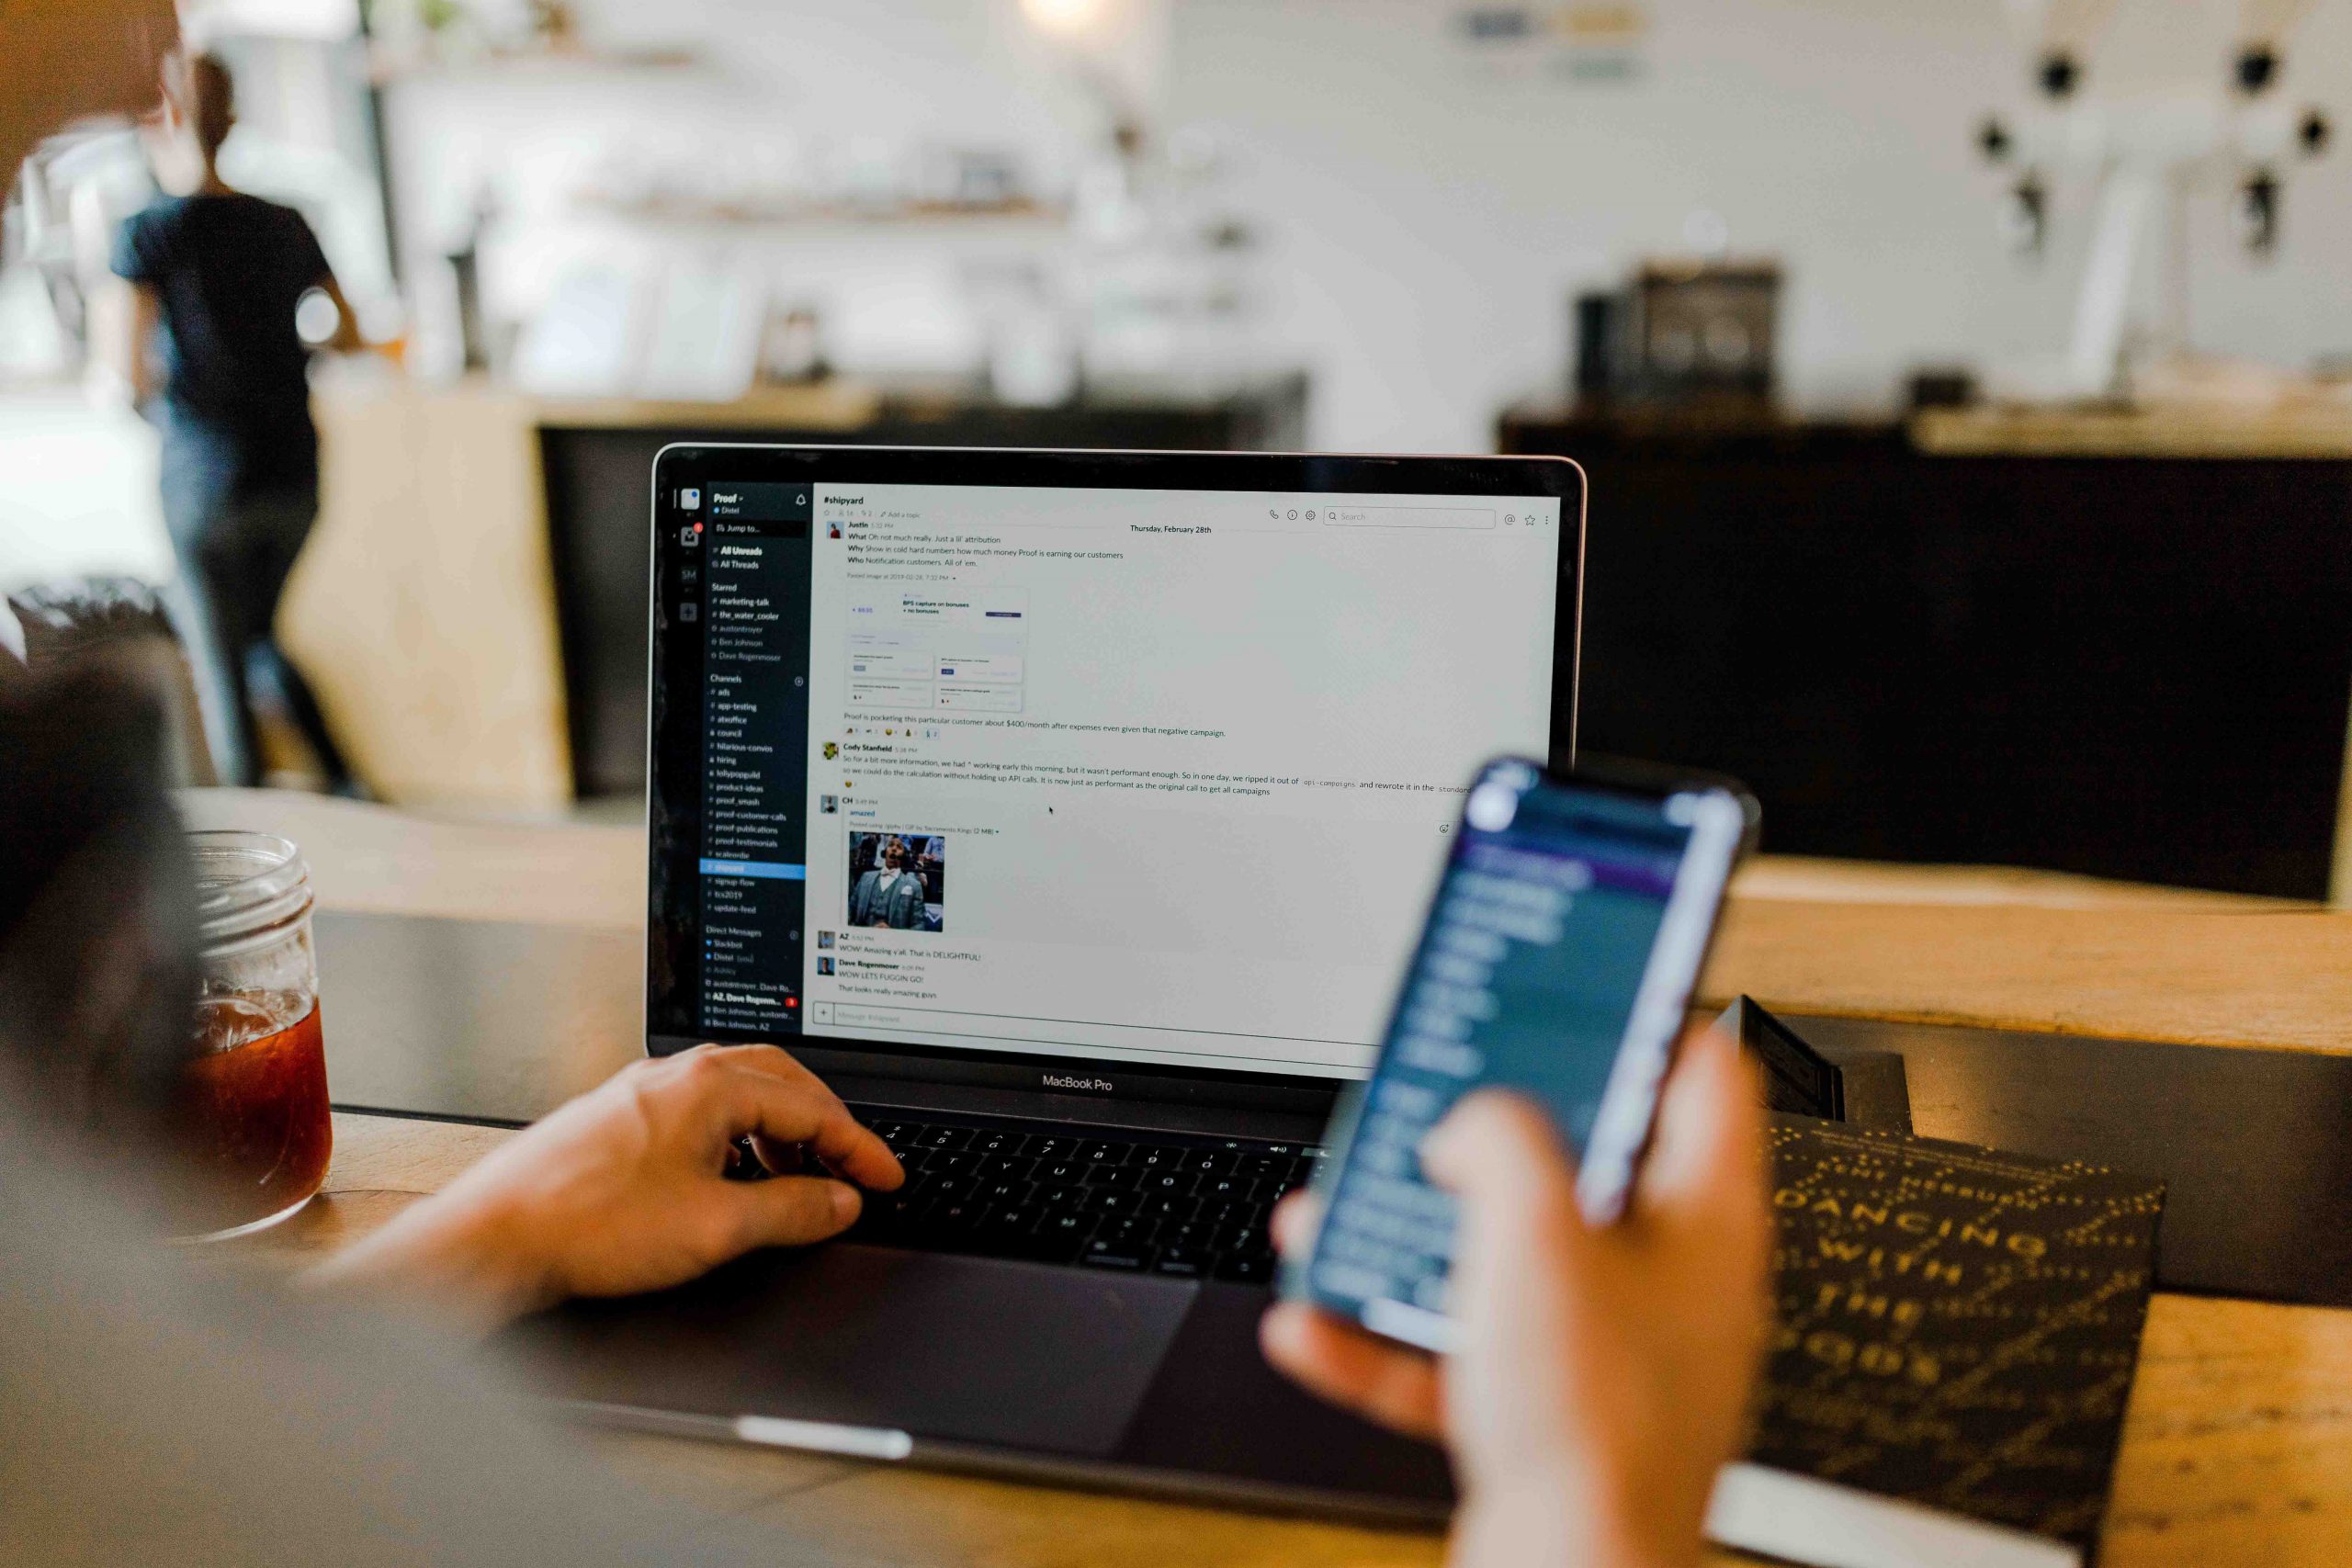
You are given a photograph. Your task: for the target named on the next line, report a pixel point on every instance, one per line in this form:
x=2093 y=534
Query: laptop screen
x=1108 y=772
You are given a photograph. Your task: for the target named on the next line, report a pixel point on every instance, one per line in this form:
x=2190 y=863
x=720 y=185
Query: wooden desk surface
x=2238 y=1446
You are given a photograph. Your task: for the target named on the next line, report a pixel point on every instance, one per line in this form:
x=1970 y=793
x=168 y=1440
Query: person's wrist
x=1556 y=1516
x=468 y=1260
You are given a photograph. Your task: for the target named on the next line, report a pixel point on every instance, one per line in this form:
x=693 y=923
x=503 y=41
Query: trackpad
x=962 y=1349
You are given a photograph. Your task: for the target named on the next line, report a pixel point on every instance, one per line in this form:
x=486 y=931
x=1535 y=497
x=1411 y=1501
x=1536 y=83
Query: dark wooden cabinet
x=2126 y=667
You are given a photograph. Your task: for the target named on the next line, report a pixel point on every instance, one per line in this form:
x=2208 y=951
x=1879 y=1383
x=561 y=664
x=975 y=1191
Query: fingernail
x=846 y=1202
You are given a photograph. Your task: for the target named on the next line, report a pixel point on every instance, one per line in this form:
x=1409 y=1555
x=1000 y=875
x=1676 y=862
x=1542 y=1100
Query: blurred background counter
x=473 y=602
x=2021 y=627
x=2107 y=642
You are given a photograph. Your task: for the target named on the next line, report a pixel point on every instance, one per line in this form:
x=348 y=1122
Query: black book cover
x=1956 y=1326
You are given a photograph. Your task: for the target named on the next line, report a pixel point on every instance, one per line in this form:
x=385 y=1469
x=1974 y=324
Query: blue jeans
x=236 y=544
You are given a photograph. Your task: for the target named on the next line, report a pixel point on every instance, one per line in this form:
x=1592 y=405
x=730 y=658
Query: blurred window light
x=1067 y=18
x=323 y=21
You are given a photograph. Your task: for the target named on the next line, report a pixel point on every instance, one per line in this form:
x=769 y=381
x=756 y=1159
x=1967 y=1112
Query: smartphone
x=1568 y=928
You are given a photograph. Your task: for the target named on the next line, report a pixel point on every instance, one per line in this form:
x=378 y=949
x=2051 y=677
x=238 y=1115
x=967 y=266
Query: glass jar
x=250 y=1114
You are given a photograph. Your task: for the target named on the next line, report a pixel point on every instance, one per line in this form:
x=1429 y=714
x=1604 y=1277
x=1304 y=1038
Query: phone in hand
x=1568 y=928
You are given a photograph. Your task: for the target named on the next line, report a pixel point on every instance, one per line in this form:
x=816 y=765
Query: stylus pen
x=885 y=1443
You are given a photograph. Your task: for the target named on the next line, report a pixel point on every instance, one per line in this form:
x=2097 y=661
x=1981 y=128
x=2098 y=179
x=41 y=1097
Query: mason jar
x=252 y=1117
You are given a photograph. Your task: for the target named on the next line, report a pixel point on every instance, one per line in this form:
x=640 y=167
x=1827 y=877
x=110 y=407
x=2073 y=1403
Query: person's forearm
x=450 y=1259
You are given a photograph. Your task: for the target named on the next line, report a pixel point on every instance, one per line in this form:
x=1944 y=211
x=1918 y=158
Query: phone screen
x=1558 y=958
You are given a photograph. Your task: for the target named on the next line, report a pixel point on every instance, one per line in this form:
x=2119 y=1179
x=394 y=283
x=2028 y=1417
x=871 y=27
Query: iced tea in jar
x=250 y=1114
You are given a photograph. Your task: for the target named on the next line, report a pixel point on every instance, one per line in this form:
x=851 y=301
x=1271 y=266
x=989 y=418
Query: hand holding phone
x=1568 y=931
x=1604 y=1371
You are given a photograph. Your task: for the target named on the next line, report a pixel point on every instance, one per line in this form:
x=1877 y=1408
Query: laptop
x=1071 y=814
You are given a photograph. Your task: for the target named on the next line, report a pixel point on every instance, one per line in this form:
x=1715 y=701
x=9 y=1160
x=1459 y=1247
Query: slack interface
x=1152 y=775
x=755 y=617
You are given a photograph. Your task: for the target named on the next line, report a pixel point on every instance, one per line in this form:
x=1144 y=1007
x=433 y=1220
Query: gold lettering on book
x=1878 y=1260
x=1858 y=1301
x=1877 y=1358
x=1913 y=1222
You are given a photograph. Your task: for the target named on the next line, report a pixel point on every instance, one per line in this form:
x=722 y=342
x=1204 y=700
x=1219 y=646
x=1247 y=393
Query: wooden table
x=2238 y=1446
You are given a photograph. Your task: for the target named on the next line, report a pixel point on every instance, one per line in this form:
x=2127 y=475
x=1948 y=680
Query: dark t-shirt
x=228 y=270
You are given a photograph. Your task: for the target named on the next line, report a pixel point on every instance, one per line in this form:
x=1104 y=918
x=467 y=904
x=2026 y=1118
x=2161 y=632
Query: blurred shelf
x=386 y=67
x=834 y=216
x=489 y=405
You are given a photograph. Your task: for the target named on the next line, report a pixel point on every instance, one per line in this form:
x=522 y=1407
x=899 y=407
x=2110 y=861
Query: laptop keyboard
x=1089 y=1197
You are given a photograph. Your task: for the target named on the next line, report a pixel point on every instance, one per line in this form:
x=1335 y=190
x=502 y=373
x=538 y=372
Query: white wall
x=1433 y=215
x=1426 y=215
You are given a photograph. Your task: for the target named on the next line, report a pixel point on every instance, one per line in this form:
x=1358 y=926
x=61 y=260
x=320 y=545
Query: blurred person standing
x=215 y=277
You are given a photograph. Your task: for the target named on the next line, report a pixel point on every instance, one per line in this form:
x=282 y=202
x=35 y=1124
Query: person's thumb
x=1523 y=1259
x=1706 y=1161
x=1499 y=1154
x=791 y=1211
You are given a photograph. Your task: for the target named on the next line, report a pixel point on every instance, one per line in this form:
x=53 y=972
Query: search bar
x=1345 y=516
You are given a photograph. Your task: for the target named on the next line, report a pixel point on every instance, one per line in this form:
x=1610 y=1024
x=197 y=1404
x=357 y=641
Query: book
x=1956 y=1333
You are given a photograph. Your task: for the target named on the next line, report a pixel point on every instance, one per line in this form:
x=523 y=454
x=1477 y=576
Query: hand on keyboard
x=619 y=1190
x=1133 y=1201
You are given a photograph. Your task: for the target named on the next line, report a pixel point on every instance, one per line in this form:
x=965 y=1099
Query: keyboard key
x=1185 y=1263
x=1110 y=1201
x=917 y=1184
x=996 y=1143
x=1110 y=1255
x=1192 y=1235
x=1129 y=1235
x=1060 y=1173
x=1209 y=1162
x=998 y=1167
x=1114 y=1175
x=1249 y=1267
x=1151 y=1157
x=1100 y=1153
x=1010 y=1219
x=1075 y=1225
x=1163 y=1182
x=1049 y=1146
x=1007 y=1191
x=960 y=1215
x=1169 y=1206
x=944 y=1137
